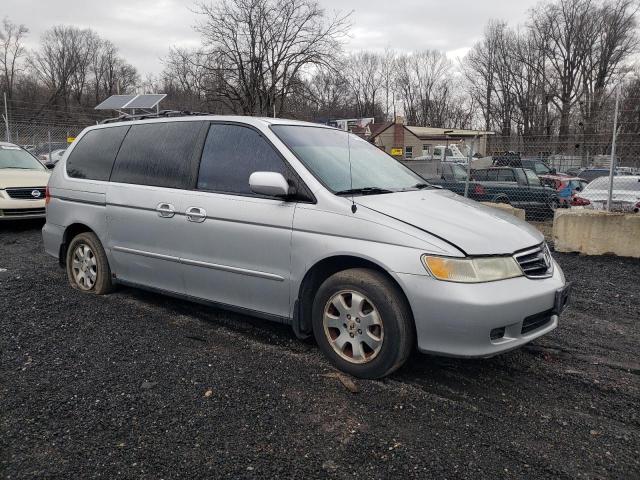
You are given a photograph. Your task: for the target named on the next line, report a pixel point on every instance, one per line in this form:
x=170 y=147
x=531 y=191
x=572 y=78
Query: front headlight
x=472 y=270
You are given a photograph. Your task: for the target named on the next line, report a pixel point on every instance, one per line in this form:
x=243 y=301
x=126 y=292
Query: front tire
x=363 y=323
x=87 y=265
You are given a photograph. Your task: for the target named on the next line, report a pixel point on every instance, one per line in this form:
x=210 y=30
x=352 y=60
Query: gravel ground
x=136 y=385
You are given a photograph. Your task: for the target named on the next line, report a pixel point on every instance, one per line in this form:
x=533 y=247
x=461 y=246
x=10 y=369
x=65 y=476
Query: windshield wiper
x=364 y=191
x=418 y=186
x=18 y=168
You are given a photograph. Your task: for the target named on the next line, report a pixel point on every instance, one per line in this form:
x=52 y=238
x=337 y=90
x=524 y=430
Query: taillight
x=579 y=202
x=47 y=197
x=478 y=189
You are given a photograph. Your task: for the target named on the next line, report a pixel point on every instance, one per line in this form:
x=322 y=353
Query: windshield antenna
x=354 y=208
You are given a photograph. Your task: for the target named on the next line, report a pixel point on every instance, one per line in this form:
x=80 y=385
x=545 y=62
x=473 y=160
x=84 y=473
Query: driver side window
x=231 y=154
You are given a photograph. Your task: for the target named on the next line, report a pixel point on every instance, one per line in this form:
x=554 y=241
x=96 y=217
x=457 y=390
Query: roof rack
x=125 y=117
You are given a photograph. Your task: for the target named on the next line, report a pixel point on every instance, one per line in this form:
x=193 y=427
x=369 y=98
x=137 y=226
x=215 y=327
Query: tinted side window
x=492 y=175
x=158 y=154
x=480 y=175
x=506 y=176
x=92 y=158
x=231 y=154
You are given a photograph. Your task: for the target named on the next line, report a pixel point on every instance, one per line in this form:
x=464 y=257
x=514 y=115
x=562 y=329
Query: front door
x=238 y=243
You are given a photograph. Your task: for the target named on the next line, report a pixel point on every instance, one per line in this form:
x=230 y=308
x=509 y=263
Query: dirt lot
x=136 y=385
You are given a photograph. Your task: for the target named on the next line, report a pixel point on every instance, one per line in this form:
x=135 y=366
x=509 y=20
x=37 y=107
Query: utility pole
x=6 y=119
x=613 y=150
x=466 y=182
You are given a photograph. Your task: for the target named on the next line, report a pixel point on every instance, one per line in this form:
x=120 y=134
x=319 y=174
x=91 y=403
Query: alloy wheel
x=353 y=326
x=84 y=267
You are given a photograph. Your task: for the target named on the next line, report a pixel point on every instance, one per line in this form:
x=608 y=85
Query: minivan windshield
x=15 y=157
x=332 y=155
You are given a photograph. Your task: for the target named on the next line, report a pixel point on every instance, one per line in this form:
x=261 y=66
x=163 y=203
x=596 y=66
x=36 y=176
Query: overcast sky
x=144 y=30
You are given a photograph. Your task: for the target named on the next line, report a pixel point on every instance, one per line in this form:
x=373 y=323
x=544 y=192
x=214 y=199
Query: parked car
x=519 y=187
x=50 y=161
x=514 y=159
x=538 y=166
x=45 y=148
x=590 y=174
x=302 y=224
x=22 y=184
x=566 y=187
x=625 y=195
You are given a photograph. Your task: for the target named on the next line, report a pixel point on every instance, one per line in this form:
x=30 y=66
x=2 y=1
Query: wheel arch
x=318 y=273
x=69 y=233
x=501 y=198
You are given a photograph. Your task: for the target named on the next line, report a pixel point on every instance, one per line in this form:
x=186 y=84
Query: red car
x=565 y=185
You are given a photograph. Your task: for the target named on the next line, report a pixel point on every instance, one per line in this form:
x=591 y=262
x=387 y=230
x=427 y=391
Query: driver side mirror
x=553 y=171
x=271 y=184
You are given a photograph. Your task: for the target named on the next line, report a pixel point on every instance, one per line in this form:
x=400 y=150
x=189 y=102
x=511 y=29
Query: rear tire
x=87 y=265
x=363 y=323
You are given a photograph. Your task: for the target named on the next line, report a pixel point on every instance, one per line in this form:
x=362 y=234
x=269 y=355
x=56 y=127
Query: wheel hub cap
x=84 y=267
x=353 y=326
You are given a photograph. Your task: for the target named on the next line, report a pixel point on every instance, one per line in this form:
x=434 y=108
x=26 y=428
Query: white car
x=625 y=197
x=50 y=161
x=23 y=183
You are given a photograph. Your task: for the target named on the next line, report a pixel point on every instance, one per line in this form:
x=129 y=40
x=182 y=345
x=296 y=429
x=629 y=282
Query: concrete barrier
x=595 y=232
x=505 y=207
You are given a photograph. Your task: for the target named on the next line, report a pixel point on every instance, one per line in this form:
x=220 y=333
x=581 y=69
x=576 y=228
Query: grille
x=26 y=193
x=15 y=212
x=534 y=322
x=535 y=262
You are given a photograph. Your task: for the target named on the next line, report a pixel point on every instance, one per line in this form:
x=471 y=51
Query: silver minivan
x=302 y=224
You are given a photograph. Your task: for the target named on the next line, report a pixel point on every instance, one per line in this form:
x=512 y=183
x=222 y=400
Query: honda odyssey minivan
x=301 y=224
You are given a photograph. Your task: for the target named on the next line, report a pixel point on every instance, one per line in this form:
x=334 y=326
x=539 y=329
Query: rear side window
x=92 y=158
x=231 y=154
x=480 y=175
x=506 y=176
x=158 y=154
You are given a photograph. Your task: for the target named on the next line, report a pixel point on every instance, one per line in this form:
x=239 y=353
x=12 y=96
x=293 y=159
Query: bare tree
x=258 y=49
x=480 y=68
x=615 y=40
x=364 y=74
x=564 y=31
x=12 y=51
x=329 y=92
x=60 y=57
x=423 y=82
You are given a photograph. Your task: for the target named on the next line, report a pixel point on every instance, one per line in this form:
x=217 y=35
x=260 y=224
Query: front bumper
x=11 y=209
x=482 y=319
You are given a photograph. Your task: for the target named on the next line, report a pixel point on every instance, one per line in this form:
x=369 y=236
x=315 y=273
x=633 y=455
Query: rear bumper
x=52 y=237
x=481 y=320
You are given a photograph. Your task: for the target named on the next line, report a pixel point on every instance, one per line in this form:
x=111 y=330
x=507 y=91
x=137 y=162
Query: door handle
x=196 y=214
x=165 y=210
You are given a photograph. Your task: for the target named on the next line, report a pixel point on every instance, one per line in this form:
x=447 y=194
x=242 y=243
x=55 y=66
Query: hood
x=10 y=177
x=470 y=226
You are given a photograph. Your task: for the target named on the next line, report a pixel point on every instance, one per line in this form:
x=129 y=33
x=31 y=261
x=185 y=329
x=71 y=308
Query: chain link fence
x=542 y=174
x=538 y=174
